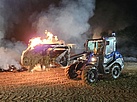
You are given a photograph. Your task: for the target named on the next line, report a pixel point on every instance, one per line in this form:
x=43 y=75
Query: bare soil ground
x=53 y=86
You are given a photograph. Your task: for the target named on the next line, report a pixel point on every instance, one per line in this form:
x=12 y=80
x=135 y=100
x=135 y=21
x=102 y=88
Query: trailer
x=46 y=55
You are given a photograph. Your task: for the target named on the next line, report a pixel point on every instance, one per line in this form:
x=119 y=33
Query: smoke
x=69 y=21
x=14 y=20
x=1 y=20
x=10 y=51
x=10 y=55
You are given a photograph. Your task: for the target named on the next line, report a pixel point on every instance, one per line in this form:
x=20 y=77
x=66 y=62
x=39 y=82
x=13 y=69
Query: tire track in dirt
x=53 y=86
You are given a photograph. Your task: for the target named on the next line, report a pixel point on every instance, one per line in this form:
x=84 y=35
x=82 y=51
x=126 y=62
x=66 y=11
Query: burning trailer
x=45 y=53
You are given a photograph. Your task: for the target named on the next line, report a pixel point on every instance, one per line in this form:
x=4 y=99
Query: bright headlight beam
x=93 y=59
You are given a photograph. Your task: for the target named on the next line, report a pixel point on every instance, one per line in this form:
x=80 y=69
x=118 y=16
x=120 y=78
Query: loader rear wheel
x=89 y=74
x=71 y=72
x=115 y=71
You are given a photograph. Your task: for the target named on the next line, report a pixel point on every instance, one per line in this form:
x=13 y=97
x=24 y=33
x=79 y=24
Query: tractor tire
x=115 y=71
x=90 y=74
x=71 y=72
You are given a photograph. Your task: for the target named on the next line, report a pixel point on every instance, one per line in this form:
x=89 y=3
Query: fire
x=35 y=41
x=49 y=39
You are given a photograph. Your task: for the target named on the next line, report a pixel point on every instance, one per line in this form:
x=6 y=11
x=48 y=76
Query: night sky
x=113 y=15
x=109 y=15
x=19 y=24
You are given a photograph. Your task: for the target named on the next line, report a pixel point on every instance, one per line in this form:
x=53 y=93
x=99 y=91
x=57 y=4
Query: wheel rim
x=91 y=76
x=115 y=72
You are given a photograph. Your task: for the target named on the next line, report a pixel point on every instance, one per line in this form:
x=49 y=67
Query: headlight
x=93 y=59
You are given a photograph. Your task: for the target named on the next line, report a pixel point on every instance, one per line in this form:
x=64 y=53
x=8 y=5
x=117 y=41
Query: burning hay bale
x=45 y=53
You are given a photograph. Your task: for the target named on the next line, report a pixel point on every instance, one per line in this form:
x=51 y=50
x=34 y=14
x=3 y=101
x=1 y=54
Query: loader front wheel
x=71 y=72
x=89 y=74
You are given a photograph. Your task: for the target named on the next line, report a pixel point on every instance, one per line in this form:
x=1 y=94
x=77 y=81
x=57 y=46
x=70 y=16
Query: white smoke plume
x=10 y=52
x=69 y=21
x=1 y=20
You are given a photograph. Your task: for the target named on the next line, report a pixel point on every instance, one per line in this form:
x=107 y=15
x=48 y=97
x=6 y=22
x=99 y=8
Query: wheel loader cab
x=101 y=50
x=95 y=46
x=101 y=46
x=110 y=47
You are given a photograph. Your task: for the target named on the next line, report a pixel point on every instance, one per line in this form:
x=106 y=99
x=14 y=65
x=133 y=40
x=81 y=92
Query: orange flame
x=50 y=39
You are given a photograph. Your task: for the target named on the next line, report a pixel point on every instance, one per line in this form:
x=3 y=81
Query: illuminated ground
x=53 y=86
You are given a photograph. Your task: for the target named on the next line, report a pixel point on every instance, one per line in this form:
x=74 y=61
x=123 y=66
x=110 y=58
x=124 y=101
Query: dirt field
x=53 y=86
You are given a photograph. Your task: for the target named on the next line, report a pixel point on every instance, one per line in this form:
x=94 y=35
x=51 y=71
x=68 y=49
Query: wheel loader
x=99 y=58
